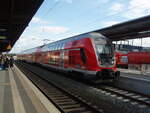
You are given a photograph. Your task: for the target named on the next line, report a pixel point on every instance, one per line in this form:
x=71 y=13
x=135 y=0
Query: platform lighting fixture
x=145 y=31
x=8 y=47
x=2 y=37
x=3 y=29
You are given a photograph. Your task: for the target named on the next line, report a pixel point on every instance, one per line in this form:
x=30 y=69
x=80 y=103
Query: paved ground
x=19 y=95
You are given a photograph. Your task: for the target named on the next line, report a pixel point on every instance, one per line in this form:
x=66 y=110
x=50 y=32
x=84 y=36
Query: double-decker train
x=91 y=54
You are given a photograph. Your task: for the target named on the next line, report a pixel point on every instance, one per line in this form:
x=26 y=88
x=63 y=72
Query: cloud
x=109 y=23
x=37 y=20
x=54 y=29
x=116 y=7
x=27 y=42
x=138 y=8
x=30 y=41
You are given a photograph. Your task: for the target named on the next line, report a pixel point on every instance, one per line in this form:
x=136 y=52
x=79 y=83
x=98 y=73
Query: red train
x=91 y=54
x=124 y=59
x=139 y=58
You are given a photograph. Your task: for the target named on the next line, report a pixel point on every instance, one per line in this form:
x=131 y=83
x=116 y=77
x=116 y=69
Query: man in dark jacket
x=11 y=61
x=6 y=62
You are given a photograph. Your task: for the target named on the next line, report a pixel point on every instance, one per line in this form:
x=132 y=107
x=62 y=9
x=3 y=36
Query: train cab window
x=83 y=56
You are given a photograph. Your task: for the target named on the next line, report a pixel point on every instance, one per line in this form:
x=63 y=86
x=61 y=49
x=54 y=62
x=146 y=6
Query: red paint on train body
x=139 y=58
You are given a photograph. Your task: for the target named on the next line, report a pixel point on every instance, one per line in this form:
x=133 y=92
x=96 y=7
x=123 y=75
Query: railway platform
x=19 y=95
x=135 y=74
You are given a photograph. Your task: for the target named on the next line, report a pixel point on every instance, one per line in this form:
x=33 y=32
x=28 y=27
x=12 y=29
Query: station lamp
x=8 y=47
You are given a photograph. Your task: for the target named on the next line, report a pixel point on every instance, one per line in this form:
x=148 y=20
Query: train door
x=62 y=59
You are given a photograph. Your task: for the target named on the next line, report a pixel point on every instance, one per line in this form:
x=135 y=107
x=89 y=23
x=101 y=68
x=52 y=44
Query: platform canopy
x=137 y=28
x=14 y=18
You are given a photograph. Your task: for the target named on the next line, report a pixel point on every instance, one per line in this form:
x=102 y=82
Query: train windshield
x=105 y=54
x=104 y=49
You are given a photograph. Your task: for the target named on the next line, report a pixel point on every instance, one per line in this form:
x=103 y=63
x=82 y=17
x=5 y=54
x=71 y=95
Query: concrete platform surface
x=134 y=74
x=19 y=95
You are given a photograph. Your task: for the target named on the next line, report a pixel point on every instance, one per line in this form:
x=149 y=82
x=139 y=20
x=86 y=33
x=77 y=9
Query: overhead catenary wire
x=47 y=13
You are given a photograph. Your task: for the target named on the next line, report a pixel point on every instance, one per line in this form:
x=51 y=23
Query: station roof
x=137 y=28
x=15 y=16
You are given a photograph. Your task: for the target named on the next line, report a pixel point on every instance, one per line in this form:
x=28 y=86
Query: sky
x=59 y=19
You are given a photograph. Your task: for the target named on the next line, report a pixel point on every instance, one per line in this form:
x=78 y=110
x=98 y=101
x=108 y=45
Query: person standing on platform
x=11 y=61
x=2 y=62
x=6 y=63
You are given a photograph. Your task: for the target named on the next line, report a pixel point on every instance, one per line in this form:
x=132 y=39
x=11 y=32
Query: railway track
x=66 y=102
x=136 y=99
x=127 y=96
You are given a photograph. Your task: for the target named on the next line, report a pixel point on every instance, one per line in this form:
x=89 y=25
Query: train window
x=52 y=48
x=83 y=56
x=56 y=47
x=61 y=45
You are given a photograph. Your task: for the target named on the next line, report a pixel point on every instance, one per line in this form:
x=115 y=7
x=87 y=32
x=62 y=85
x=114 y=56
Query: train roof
x=94 y=35
x=77 y=37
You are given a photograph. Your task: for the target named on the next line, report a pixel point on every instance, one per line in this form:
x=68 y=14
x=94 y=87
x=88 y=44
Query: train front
x=106 y=59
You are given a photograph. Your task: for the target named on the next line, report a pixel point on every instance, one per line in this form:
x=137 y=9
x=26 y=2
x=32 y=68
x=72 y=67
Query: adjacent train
x=128 y=54
x=90 y=54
